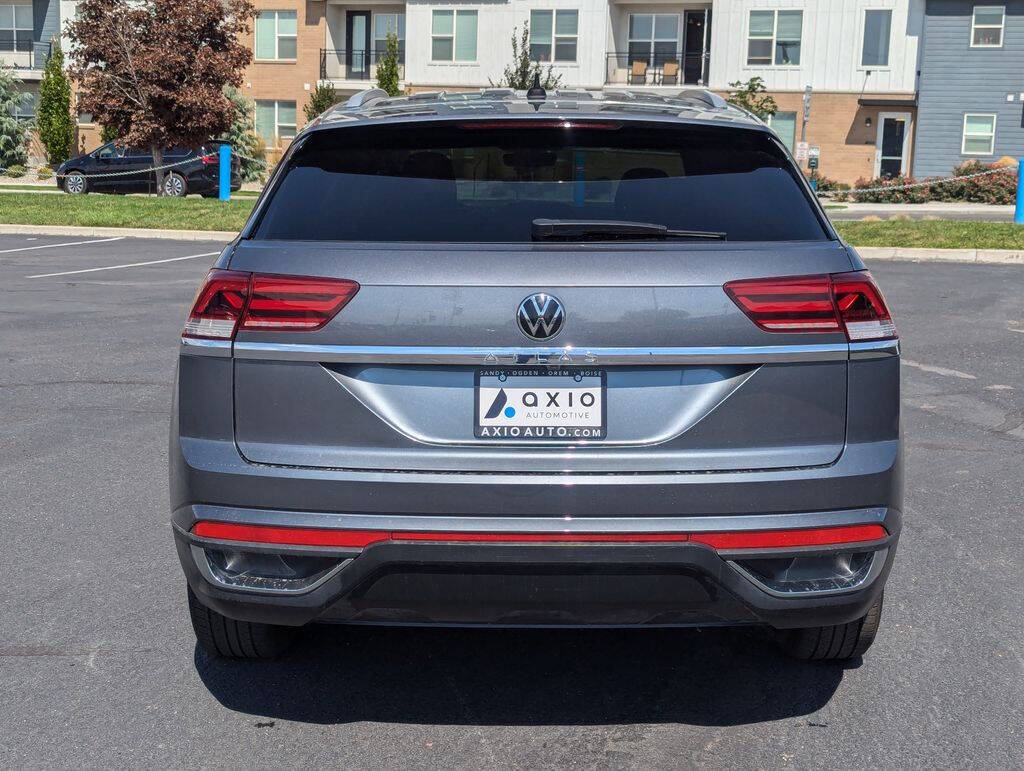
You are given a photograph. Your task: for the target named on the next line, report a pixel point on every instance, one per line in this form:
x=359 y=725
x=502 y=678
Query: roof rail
x=710 y=99
x=363 y=98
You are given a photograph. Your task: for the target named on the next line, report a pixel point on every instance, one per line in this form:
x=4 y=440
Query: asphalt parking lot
x=98 y=665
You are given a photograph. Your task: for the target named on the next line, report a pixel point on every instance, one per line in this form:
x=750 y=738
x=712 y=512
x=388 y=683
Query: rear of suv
x=586 y=359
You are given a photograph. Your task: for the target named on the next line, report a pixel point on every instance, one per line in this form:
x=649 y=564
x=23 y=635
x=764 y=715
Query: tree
x=12 y=130
x=521 y=72
x=107 y=134
x=323 y=98
x=752 y=96
x=155 y=70
x=387 y=67
x=243 y=137
x=53 y=117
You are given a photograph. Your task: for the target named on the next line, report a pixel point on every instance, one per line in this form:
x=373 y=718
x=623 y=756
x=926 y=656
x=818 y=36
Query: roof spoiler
x=710 y=99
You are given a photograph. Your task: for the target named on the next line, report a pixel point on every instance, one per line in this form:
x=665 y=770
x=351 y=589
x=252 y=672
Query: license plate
x=539 y=404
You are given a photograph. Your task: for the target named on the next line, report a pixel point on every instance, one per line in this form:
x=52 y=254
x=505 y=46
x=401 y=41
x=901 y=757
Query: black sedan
x=117 y=168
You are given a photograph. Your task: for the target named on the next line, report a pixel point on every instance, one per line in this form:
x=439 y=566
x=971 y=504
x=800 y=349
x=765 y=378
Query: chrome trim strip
x=539 y=524
x=876 y=349
x=191 y=346
x=417 y=354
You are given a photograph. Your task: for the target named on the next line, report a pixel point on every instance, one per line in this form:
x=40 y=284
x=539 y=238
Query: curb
x=221 y=236
x=985 y=256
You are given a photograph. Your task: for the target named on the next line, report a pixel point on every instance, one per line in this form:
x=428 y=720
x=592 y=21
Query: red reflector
x=293 y=303
x=218 y=305
x=761 y=539
x=293 y=536
x=846 y=302
x=771 y=539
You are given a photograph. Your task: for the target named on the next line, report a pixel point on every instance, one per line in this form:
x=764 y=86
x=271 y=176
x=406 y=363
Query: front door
x=892 y=146
x=694 y=26
x=357 y=55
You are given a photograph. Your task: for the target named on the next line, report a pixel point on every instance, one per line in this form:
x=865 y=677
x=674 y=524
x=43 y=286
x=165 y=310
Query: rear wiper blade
x=613 y=230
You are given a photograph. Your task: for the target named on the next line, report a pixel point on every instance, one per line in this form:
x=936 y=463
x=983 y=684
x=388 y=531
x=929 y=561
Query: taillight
x=231 y=300
x=218 y=305
x=847 y=302
x=208 y=160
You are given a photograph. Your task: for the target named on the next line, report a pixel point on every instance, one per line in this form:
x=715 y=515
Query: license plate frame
x=578 y=380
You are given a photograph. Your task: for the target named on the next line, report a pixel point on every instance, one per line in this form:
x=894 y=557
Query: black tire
x=175 y=185
x=224 y=637
x=834 y=643
x=79 y=184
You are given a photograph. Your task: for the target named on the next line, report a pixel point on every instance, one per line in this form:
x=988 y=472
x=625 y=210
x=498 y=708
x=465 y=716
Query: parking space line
x=126 y=265
x=939 y=370
x=54 y=246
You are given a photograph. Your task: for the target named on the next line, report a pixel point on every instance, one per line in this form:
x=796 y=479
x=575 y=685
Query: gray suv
x=567 y=359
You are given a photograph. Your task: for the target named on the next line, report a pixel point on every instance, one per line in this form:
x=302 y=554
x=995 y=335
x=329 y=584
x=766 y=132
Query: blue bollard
x=225 y=172
x=1018 y=211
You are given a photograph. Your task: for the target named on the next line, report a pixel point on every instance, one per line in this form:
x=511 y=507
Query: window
x=774 y=31
x=784 y=124
x=453 y=36
x=15 y=27
x=987 y=26
x=979 y=135
x=875 y=51
x=654 y=37
x=491 y=183
x=383 y=23
x=25 y=108
x=275 y=35
x=275 y=120
x=566 y=25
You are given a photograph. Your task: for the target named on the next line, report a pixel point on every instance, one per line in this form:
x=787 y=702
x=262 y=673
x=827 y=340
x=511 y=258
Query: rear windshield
x=465 y=182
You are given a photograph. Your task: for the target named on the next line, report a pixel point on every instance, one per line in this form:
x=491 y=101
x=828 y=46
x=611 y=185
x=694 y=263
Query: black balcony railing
x=32 y=56
x=355 y=64
x=658 y=69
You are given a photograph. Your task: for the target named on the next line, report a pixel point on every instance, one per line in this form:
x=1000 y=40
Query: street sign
x=807 y=103
x=801 y=151
x=813 y=155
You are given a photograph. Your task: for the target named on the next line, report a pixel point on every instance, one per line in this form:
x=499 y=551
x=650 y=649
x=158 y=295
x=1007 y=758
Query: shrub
x=323 y=98
x=44 y=172
x=387 y=67
x=826 y=185
x=53 y=117
x=997 y=188
x=15 y=171
x=12 y=129
x=752 y=97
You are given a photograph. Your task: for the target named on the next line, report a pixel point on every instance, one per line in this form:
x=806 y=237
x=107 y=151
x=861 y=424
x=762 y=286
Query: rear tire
x=175 y=185
x=224 y=637
x=834 y=643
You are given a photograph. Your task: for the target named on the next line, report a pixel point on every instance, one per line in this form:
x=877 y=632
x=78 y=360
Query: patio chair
x=637 y=73
x=670 y=74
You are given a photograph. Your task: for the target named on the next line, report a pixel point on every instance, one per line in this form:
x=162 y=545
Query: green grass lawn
x=116 y=211
x=203 y=214
x=50 y=186
x=933 y=234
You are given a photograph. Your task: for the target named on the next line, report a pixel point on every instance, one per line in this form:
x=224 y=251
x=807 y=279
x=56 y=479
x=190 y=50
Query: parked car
x=117 y=168
x=509 y=361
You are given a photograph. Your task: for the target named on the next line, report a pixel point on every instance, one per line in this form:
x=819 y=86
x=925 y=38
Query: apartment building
x=860 y=58
x=26 y=29
x=971 y=100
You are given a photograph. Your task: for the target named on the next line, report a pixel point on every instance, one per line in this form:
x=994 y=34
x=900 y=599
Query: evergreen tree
x=387 y=67
x=521 y=72
x=243 y=137
x=12 y=130
x=53 y=118
x=322 y=99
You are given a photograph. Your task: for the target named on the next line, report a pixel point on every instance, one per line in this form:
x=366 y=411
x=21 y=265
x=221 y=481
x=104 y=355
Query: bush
x=827 y=185
x=44 y=172
x=997 y=188
x=323 y=98
x=53 y=117
x=15 y=171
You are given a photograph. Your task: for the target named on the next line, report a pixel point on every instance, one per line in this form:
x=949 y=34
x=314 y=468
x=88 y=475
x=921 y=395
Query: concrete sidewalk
x=943 y=210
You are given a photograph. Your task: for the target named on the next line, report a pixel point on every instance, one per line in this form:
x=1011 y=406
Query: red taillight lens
x=848 y=302
x=231 y=300
x=218 y=305
x=861 y=307
x=208 y=160
x=285 y=303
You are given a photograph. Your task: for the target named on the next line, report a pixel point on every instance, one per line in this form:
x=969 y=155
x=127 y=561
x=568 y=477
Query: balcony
x=658 y=69
x=28 y=61
x=356 y=67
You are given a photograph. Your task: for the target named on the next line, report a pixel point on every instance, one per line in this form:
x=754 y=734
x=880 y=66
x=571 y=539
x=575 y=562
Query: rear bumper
x=516 y=584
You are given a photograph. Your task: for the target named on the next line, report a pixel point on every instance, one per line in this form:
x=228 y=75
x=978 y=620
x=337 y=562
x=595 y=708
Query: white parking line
x=126 y=265
x=54 y=246
x=939 y=370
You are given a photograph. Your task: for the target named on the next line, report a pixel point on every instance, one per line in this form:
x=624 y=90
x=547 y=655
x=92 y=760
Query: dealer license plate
x=563 y=404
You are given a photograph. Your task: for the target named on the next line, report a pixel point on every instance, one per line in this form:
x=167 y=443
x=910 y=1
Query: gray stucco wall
x=45 y=27
x=957 y=79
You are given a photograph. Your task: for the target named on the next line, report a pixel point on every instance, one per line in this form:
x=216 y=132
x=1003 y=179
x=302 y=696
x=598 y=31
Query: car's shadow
x=524 y=677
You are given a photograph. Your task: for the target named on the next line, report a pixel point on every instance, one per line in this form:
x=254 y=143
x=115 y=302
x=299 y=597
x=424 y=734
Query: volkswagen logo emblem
x=541 y=316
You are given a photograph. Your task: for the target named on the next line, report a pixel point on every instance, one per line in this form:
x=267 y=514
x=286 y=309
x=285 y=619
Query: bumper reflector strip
x=751 y=539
